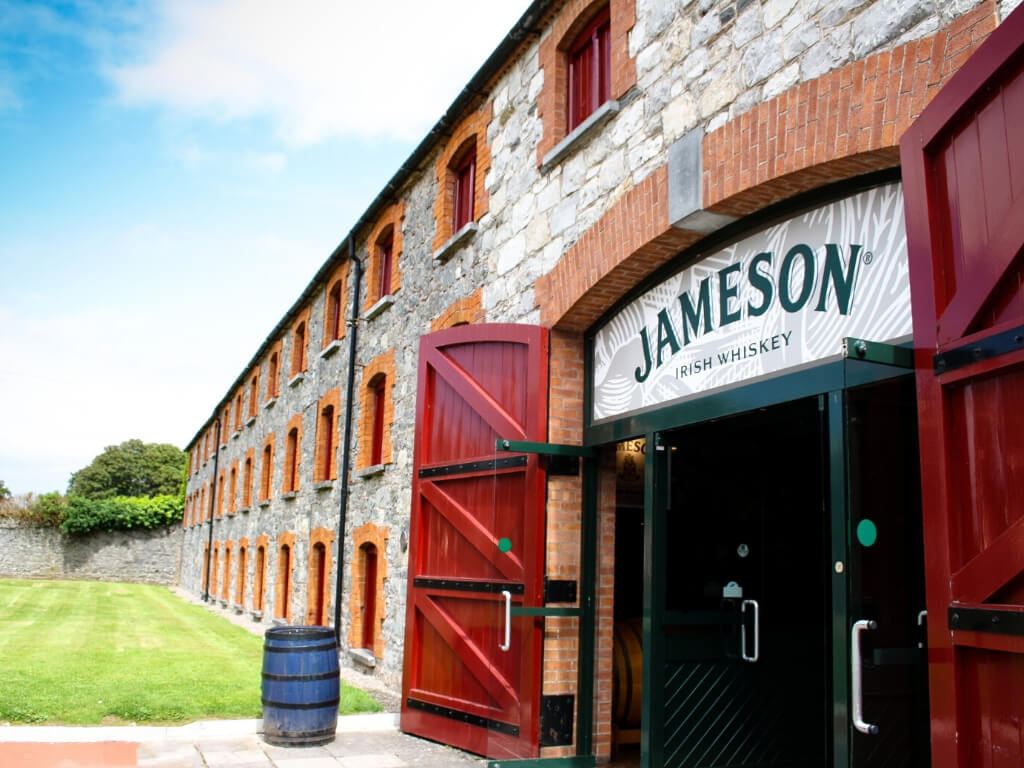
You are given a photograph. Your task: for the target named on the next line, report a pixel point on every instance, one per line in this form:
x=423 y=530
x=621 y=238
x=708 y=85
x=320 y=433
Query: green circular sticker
x=867 y=533
x=504 y=544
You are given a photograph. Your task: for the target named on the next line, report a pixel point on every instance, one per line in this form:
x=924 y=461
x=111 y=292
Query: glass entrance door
x=888 y=684
x=746 y=617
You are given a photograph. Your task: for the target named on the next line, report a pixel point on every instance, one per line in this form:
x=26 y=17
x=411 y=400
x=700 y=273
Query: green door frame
x=829 y=383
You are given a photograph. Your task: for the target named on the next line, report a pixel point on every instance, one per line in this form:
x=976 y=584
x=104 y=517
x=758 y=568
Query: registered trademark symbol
x=869 y=257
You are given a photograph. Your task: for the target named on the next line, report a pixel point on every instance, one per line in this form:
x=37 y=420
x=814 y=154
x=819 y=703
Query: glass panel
x=746 y=599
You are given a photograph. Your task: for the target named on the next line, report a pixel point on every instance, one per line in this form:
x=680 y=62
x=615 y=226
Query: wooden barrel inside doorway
x=627 y=681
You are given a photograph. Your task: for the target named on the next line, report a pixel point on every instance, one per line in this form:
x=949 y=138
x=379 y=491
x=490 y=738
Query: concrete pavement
x=361 y=741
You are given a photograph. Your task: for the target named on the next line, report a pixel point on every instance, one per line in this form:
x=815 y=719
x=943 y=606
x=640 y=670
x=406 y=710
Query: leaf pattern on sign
x=879 y=308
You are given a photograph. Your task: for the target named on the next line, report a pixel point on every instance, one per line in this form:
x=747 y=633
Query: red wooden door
x=963 y=171
x=472 y=672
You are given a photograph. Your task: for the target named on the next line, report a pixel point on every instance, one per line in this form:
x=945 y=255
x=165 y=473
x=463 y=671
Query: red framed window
x=299 y=350
x=465 y=179
x=327 y=444
x=266 y=469
x=272 y=374
x=291 y=461
x=254 y=393
x=257 y=579
x=369 y=594
x=247 y=484
x=318 y=574
x=590 y=67
x=377 y=444
x=282 y=606
x=385 y=249
x=238 y=412
x=334 y=312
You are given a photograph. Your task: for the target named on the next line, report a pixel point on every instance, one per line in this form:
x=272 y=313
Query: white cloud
x=315 y=68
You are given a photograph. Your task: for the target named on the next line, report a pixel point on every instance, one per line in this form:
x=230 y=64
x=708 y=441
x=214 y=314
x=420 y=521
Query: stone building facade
x=716 y=110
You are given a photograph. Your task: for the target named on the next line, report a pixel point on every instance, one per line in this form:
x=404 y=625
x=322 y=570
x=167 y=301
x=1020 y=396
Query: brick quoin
x=462 y=312
x=473 y=126
x=552 y=107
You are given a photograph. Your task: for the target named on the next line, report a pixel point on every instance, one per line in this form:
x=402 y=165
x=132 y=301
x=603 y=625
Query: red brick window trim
x=325 y=459
x=267 y=467
x=334 y=306
x=233 y=488
x=238 y=411
x=274 y=373
x=243 y=564
x=589 y=69
x=462 y=312
x=369 y=571
x=254 y=394
x=214 y=567
x=468 y=143
x=247 y=478
x=318 y=599
x=298 y=349
x=284 y=583
x=379 y=394
x=384 y=276
x=225 y=425
x=225 y=589
x=259 y=572
x=463 y=174
x=385 y=255
x=568 y=34
x=376 y=412
x=220 y=494
x=292 y=454
x=205 y=565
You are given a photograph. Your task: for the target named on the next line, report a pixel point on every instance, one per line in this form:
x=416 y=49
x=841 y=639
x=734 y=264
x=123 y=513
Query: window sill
x=244 y=510
x=237 y=432
x=323 y=485
x=331 y=348
x=364 y=656
x=237 y=608
x=456 y=241
x=223 y=602
x=371 y=471
x=290 y=495
x=256 y=615
x=232 y=513
x=579 y=135
x=270 y=403
x=265 y=503
x=279 y=622
x=296 y=379
x=383 y=303
x=251 y=420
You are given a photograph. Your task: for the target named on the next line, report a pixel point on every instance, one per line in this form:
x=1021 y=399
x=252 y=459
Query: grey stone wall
x=28 y=551
x=699 y=63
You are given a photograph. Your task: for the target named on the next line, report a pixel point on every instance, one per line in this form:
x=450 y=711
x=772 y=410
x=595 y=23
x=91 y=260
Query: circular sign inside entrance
x=504 y=544
x=867 y=533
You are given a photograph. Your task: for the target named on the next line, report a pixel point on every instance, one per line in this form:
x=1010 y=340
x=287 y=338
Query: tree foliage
x=5 y=492
x=121 y=513
x=132 y=468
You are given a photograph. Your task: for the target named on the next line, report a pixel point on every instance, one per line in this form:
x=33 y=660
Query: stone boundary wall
x=29 y=551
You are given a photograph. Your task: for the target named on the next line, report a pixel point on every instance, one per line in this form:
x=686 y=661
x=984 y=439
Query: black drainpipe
x=350 y=387
x=213 y=497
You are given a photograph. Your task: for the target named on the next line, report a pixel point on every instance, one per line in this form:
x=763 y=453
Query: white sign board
x=778 y=299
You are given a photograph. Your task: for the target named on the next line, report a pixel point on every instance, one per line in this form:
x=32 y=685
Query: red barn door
x=963 y=171
x=476 y=541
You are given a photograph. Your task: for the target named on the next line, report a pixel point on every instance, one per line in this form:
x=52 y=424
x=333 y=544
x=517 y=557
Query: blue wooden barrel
x=300 y=685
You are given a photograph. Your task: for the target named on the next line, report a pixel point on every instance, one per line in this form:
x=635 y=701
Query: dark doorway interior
x=747 y=615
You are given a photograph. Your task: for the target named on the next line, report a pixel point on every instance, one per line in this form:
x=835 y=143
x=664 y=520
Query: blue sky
x=172 y=174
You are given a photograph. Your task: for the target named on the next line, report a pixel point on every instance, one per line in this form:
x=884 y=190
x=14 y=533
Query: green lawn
x=97 y=652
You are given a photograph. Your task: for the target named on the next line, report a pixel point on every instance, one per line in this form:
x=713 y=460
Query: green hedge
x=120 y=513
